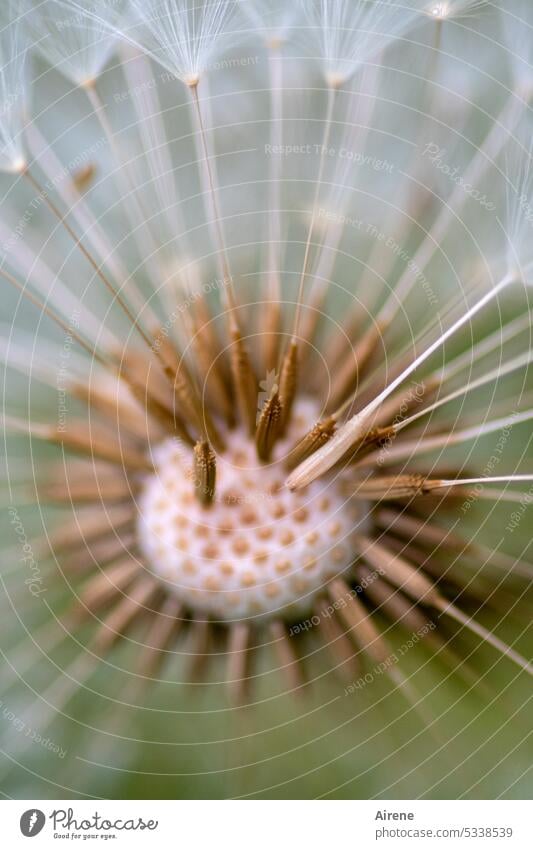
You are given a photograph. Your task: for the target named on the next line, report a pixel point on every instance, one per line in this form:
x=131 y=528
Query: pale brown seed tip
x=389 y=487
x=83 y=176
x=325 y=457
x=205 y=472
x=244 y=381
x=186 y=395
x=268 y=427
x=270 y=327
x=288 y=382
x=311 y=442
x=353 y=367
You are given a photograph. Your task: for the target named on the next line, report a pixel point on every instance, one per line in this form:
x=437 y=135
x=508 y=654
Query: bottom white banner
x=264 y=824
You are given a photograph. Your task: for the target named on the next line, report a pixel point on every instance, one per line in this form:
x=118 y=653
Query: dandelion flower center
x=259 y=549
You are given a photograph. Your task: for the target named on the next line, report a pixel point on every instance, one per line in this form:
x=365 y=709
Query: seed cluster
x=259 y=548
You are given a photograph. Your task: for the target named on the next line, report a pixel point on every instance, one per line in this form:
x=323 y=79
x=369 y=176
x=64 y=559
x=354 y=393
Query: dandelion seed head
x=272 y=20
x=349 y=33
x=203 y=506
x=258 y=550
x=77 y=39
x=13 y=91
x=518 y=209
x=182 y=35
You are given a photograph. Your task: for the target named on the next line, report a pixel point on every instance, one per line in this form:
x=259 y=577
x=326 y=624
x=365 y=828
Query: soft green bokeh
x=176 y=740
